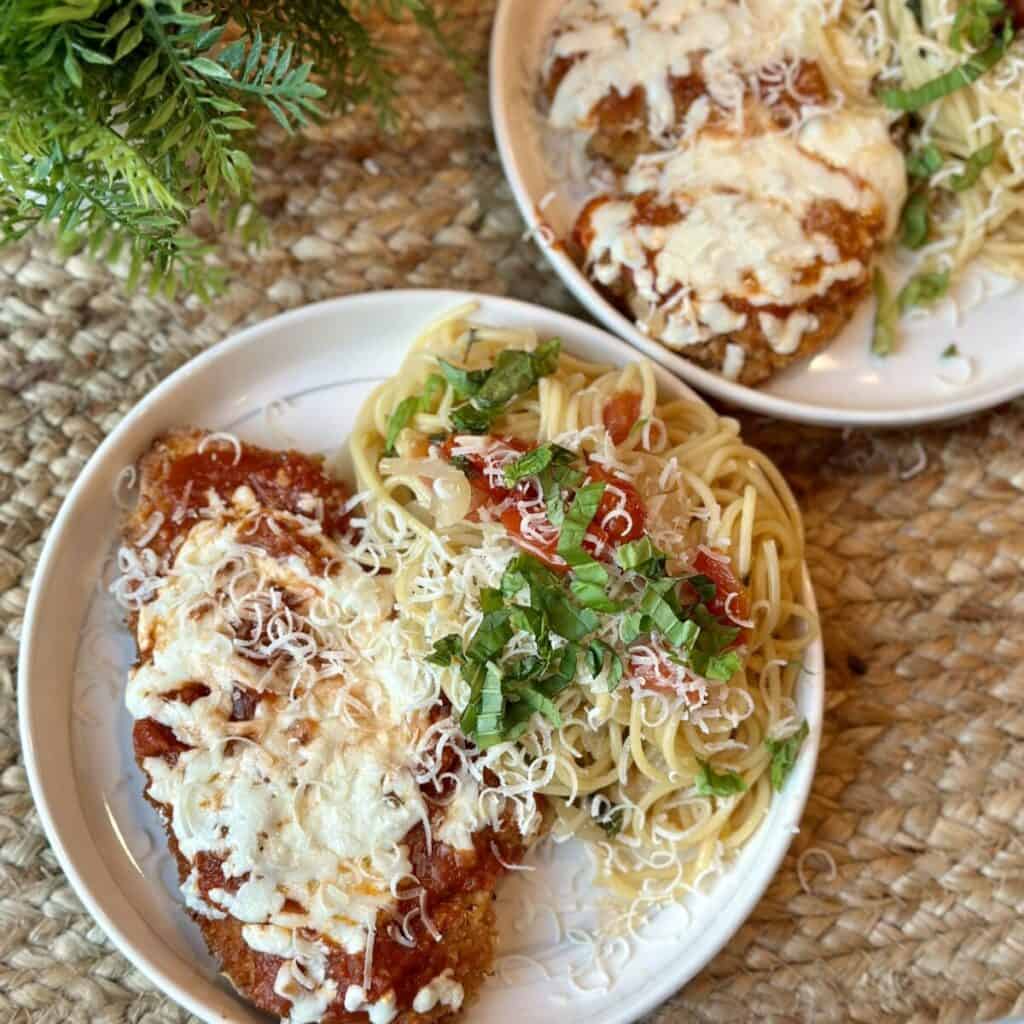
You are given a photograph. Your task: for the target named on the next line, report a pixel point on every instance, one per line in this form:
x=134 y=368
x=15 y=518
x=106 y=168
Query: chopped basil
x=565 y=618
x=718 y=667
x=784 y=754
x=612 y=823
x=578 y=518
x=654 y=605
x=924 y=162
x=712 y=783
x=592 y=595
x=950 y=351
x=914 y=220
x=631 y=626
x=973 y=166
x=529 y=464
x=489 y=391
x=642 y=557
x=409 y=407
x=490 y=708
x=538 y=702
x=922 y=290
x=467 y=419
x=966 y=74
x=491 y=635
x=705 y=587
x=446 y=650
x=883 y=337
x=976 y=19
x=597 y=653
x=465 y=383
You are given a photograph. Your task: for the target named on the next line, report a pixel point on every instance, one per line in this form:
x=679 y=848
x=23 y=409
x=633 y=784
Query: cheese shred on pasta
x=636 y=764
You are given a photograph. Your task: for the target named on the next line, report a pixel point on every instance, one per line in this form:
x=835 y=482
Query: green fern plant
x=119 y=117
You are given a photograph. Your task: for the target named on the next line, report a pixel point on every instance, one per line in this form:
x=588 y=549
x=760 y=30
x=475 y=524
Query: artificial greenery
x=119 y=117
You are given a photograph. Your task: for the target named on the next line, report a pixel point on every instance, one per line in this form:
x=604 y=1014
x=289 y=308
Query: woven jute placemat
x=915 y=542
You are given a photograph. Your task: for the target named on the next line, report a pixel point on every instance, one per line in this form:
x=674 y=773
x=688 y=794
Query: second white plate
x=842 y=386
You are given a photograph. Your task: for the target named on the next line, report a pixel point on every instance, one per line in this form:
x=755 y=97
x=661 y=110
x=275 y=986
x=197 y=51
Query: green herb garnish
x=612 y=823
x=409 y=407
x=784 y=754
x=657 y=608
x=966 y=74
x=922 y=290
x=489 y=391
x=914 y=221
x=642 y=557
x=950 y=351
x=597 y=653
x=976 y=19
x=713 y=783
x=883 y=337
x=973 y=166
x=924 y=162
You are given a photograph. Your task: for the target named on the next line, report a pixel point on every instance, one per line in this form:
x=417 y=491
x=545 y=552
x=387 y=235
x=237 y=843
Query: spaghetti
x=608 y=588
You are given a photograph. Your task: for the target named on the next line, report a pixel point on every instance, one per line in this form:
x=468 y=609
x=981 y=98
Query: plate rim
x=503 y=79
x=737 y=910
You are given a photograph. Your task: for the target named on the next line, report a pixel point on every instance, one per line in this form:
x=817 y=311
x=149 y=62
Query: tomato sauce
x=605 y=530
x=177 y=479
x=620 y=413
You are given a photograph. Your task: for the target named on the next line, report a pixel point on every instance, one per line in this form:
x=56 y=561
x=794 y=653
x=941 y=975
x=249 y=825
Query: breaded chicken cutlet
x=312 y=802
x=750 y=195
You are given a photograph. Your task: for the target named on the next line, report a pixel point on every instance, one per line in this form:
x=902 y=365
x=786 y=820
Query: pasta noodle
x=986 y=220
x=620 y=765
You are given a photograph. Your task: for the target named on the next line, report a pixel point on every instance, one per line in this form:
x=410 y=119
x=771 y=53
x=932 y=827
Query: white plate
x=842 y=386
x=298 y=380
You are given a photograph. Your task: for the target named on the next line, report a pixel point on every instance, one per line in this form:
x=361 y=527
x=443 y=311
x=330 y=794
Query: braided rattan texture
x=919 y=796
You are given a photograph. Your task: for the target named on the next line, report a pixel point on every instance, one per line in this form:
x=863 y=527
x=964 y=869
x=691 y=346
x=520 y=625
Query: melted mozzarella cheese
x=307 y=805
x=619 y=45
x=763 y=188
x=444 y=990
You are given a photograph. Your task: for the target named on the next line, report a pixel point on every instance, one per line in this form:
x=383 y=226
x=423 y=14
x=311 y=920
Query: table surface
x=915 y=543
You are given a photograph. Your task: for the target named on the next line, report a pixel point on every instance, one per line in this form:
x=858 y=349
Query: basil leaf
x=705 y=587
x=914 y=220
x=642 y=557
x=490 y=637
x=592 y=595
x=408 y=407
x=950 y=351
x=589 y=570
x=467 y=419
x=565 y=618
x=784 y=754
x=883 y=337
x=663 y=618
x=512 y=375
x=966 y=74
x=712 y=783
x=564 y=666
x=529 y=464
x=490 y=712
x=465 y=383
x=544 y=705
x=924 y=162
x=446 y=650
x=631 y=626
x=399 y=420
x=714 y=636
x=973 y=166
x=475 y=678
x=718 y=667
x=922 y=290
x=513 y=580
x=975 y=18
x=612 y=823
x=491 y=600
x=579 y=517
x=597 y=652
x=545 y=357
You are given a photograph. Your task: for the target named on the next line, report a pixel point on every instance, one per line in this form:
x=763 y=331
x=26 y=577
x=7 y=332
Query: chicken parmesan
x=318 y=798
x=738 y=195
